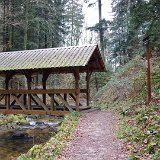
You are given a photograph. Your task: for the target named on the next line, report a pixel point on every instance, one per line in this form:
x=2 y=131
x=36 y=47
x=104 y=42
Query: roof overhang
x=55 y=60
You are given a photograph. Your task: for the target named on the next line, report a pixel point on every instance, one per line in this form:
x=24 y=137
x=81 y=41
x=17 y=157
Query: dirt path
x=95 y=139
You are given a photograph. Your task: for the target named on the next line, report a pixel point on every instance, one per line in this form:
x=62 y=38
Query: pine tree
x=74 y=20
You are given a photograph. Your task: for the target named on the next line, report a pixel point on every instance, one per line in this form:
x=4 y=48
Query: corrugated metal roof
x=46 y=58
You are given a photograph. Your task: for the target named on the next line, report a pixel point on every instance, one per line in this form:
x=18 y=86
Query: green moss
x=57 y=143
x=12 y=118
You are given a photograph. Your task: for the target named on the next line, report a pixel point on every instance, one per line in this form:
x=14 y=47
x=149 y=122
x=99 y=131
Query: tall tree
x=74 y=20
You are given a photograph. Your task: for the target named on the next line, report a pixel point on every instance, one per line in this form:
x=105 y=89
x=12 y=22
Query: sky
x=91 y=18
x=91 y=13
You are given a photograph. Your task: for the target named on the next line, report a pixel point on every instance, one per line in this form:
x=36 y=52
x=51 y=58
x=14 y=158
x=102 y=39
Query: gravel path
x=95 y=139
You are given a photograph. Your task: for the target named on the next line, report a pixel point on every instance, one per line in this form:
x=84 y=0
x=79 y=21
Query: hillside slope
x=139 y=123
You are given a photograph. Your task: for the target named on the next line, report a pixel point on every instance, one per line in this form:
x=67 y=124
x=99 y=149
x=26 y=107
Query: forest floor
x=95 y=139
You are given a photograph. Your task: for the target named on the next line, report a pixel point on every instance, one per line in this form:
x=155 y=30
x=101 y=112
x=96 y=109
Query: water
x=16 y=142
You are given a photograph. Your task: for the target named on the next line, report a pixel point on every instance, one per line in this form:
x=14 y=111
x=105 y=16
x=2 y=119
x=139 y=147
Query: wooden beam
x=65 y=97
x=74 y=98
x=1 y=97
x=8 y=76
x=39 y=101
x=8 y=101
x=18 y=102
x=88 y=76
x=32 y=99
x=77 y=78
x=64 y=102
x=39 y=91
x=25 y=99
x=13 y=102
x=52 y=102
x=29 y=80
x=45 y=76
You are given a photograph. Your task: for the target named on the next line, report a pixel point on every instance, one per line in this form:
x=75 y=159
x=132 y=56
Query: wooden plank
x=18 y=102
x=74 y=98
x=8 y=101
x=65 y=97
x=45 y=76
x=77 y=78
x=39 y=101
x=33 y=112
x=52 y=102
x=64 y=102
x=25 y=99
x=32 y=99
x=29 y=101
x=1 y=97
x=87 y=87
x=39 y=91
x=77 y=101
x=13 y=102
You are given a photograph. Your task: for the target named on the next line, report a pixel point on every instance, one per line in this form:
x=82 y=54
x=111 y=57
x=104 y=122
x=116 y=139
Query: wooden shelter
x=73 y=59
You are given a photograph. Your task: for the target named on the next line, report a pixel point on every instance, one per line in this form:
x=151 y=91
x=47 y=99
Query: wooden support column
x=7 y=98
x=77 y=78
x=25 y=99
x=7 y=79
x=88 y=75
x=44 y=83
x=65 y=98
x=52 y=102
x=29 y=80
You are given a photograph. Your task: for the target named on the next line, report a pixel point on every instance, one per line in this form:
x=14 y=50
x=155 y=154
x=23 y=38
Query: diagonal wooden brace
x=39 y=101
x=18 y=102
x=64 y=102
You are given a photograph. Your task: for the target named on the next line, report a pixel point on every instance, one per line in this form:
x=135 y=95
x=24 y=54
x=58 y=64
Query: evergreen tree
x=74 y=21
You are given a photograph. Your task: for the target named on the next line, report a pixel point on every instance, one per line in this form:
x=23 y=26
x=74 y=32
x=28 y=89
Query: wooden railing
x=28 y=100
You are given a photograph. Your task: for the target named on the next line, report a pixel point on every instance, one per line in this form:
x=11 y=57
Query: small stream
x=18 y=139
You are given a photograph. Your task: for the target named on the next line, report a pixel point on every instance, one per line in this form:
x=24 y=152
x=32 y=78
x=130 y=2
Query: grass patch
x=12 y=118
x=57 y=143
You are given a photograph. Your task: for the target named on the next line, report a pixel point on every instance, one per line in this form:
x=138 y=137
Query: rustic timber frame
x=34 y=101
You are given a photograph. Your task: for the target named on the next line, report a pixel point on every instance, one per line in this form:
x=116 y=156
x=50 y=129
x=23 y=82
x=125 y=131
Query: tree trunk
x=26 y=25
x=100 y=25
x=4 y=25
x=72 y=26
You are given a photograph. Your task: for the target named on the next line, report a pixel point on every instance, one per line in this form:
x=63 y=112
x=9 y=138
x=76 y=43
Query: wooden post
x=52 y=102
x=88 y=76
x=29 y=80
x=87 y=87
x=44 y=87
x=65 y=98
x=25 y=99
x=7 y=98
x=44 y=83
x=76 y=75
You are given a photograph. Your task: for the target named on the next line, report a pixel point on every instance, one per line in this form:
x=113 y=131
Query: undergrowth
x=139 y=124
x=140 y=130
x=12 y=118
x=57 y=143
